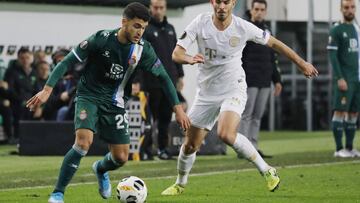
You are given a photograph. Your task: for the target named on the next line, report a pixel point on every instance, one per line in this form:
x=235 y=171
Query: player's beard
x=349 y=17
x=221 y=16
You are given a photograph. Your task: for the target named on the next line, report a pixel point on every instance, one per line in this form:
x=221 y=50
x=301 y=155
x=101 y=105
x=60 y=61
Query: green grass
x=293 y=151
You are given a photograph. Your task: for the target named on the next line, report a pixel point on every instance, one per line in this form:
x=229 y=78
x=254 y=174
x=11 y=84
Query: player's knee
x=190 y=148
x=120 y=158
x=224 y=135
x=84 y=144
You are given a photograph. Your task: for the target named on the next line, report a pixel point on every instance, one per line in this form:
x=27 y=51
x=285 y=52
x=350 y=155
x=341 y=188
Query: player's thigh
x=113 y=125
x=85 y=114
x=120 y=152
x=204 y=112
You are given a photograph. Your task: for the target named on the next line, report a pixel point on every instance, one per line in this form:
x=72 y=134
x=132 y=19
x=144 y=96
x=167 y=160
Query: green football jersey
x=110 y=66
x=344 y=51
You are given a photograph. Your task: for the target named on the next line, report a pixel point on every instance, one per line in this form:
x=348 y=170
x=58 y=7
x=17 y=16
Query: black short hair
x=258 y=1
x=23 y=50
x=136 y=10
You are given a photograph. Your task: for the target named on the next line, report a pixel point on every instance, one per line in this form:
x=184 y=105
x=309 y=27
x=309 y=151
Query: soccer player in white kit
x=221 y=38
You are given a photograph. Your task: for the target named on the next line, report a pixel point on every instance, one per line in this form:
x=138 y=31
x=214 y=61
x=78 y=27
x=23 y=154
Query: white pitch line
x=198 y=174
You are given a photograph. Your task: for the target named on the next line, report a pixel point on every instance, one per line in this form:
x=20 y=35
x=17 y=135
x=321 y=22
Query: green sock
x=68 y=168
x=338 y=128
x=350 y=129
x=108 y=164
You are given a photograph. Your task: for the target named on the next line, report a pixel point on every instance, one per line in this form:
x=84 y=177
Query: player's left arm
x=306 y=68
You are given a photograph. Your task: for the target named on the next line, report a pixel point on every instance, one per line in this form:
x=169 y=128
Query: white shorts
x=206 y=107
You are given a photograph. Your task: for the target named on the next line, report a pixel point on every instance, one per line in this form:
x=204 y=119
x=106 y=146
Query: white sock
x=184 y=165
x=244 y=147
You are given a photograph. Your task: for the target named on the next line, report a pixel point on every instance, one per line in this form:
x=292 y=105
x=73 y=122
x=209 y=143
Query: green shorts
x=348 y=101
x=105 y=119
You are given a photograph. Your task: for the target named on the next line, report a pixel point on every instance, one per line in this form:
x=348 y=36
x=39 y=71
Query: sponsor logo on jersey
x=171 y=32
x=183 y=35
x=116 y=72
x=105 y=34
x=234 y=41
x=83 y=114
x=84 y=44
x=106 y=54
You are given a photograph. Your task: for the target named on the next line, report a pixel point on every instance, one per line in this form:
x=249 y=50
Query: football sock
x=337 y=128
x=350 y=128
x=184 y=165
x=68 y=168
x=244 y=147
x=108 y=164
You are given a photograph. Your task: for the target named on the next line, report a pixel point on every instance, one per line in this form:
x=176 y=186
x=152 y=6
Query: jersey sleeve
x=256 y=34
x=82 y=50
x=190 y=34
x=151 y=63
x=333 y=53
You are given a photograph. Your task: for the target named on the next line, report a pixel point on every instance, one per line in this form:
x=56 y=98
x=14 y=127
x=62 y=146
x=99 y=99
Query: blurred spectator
x=259 y=74
x=21 y=79
x=42 y=72
x=162 y=37
x=39 y=56
x=64 y=91
x=5 y=110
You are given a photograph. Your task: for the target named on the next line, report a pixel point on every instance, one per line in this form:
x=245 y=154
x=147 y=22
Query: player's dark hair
x=23 y=50
x=258 y=1
x=136 y=10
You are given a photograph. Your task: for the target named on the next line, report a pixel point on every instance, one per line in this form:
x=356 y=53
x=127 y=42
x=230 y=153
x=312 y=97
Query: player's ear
x=123 y=22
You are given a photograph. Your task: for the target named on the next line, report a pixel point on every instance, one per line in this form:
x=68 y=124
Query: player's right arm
x=78 y=54
x=186 y=39
x=333 y=56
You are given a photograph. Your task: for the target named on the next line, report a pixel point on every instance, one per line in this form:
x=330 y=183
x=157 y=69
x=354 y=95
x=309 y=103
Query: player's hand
x=38 y=99
x=309 y=70
x=342 y=85
x=278 y=88
x=198 y=58
x=181 y=117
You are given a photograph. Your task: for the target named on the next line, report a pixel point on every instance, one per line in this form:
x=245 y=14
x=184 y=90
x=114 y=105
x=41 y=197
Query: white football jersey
x=222 y=50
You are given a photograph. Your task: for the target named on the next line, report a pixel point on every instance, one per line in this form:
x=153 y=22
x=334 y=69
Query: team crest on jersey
x=132 y=60
x=234 y=41
x=156 y=34
x=183 y=35
x=343 y=101
x=345 y=35
x=83 y=114
x=84 y=44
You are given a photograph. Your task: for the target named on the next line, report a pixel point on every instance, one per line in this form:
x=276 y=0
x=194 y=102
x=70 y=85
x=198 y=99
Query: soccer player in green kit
x=344 y=56
x=111 y=57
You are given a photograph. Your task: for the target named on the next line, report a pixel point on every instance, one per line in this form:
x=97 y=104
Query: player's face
x=223 y=8
x=134 y=29
x=348 y=9
x=258 y=12
x=158 y=9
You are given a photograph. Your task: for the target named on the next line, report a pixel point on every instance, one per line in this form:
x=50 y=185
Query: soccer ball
x=131 y=190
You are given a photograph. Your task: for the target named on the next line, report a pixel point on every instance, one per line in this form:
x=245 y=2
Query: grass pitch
x=307 y=169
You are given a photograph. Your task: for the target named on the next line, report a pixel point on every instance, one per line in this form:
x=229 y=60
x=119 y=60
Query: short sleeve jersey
x=109 y=66
x=222 y=49
x=344 y=39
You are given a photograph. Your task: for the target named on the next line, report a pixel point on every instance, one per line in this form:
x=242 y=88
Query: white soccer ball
x=131 y=190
